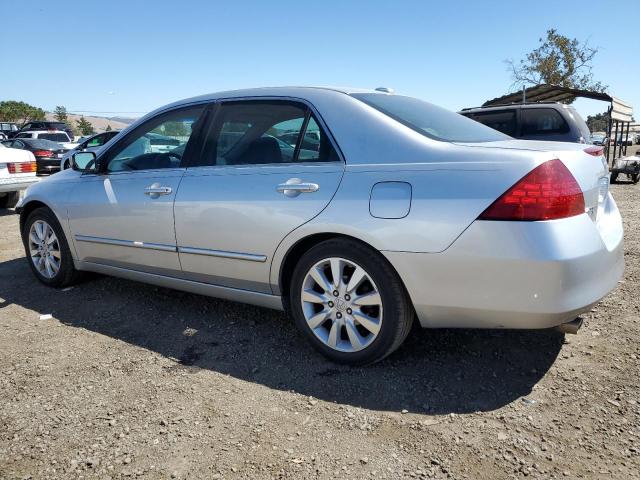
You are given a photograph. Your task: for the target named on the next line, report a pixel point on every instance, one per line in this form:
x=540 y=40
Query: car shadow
x=5 y=212
x=435 y=371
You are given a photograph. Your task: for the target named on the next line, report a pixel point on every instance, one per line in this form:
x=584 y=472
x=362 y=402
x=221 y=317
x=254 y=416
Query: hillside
x=99 y=123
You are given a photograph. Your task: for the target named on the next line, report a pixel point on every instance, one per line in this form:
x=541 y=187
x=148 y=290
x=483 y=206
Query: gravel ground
x=129 y=380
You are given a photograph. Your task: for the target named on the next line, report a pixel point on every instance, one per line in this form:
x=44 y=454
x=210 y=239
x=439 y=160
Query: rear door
x=258 y=178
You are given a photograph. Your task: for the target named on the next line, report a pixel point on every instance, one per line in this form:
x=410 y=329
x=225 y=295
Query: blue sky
x=133 y=56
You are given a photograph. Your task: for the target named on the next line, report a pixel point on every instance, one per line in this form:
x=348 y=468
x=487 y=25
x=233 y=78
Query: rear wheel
x=47 y=249
x=635 y=177
x=614 y=177
x=9 y=200
x=349 y=302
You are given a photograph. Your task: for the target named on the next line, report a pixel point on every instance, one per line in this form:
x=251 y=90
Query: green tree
x=598 y=122
x=108 y=129
x=558 y=60
x=85 y=126
x=60 y=113
x=19 y=112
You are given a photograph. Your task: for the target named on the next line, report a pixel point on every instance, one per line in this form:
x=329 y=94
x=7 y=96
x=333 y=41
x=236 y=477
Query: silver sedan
x=356 y=211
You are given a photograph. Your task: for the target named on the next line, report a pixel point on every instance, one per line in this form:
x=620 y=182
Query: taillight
x=23 y=167
x=548 y=192
x=43 y=153
x=595 y=151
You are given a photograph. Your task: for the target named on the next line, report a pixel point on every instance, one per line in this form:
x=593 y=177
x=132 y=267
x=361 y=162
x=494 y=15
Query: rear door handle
x=294 y=187
x=155 y=190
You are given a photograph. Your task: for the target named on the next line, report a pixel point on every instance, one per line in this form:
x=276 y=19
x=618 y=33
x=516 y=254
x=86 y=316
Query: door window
x=265 y=132
x=159 y=143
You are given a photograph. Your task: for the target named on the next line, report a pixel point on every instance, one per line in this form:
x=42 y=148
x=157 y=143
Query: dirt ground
x=128 y=380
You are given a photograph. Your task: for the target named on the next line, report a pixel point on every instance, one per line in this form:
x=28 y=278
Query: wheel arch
x=29 y=207
x=303 y=245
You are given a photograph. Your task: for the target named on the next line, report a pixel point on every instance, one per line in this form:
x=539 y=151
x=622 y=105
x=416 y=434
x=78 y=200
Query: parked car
x=599 y=139
x=43 y=125
x=89 y=144
x=625 y=140
x=55 y=136
x=556 y=122
x=17 y=172
x=46 y=152
x=406 y=209
x=7 y=129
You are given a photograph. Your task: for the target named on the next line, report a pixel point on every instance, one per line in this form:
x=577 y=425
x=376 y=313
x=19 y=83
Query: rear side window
x=502 y=120
x=429 y=120
x=542 y=121
x=265 y=132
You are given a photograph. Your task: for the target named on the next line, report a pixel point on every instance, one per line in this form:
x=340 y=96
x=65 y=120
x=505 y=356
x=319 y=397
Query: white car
x=17 y=172
x=92 y=143
x=58 y=136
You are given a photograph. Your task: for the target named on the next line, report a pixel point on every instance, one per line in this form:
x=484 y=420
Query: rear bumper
x=16 y=184
x=516 y=274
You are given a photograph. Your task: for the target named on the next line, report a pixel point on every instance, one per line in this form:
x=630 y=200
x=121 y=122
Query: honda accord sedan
x=402 y=211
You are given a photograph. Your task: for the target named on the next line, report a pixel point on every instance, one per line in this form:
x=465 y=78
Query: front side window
x=159 y=143
x=502 y=120
x=542 y=121
x=265 y=132
x=431 y=121
x=96 y=141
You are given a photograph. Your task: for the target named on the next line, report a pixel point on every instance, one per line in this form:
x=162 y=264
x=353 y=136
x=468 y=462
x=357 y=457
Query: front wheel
x=614 y=177
x=349 y=302
x=47 y=249
x=635 y=177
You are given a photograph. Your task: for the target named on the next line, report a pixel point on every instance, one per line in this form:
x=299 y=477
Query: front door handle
x=155 y=190
x=294 y=187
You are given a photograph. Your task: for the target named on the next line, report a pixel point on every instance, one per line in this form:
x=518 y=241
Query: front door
x=123 y=217
x=268 y=167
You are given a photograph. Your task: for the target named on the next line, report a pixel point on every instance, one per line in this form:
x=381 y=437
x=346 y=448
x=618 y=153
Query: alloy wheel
x=44 y=249
x=341 y=304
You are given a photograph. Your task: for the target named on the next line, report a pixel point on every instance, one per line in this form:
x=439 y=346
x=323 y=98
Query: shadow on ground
x=436 y=371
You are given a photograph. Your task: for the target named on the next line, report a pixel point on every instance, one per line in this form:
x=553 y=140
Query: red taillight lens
x=595 y=151
x=548 y=192
x=24 y=167
x=43 y=153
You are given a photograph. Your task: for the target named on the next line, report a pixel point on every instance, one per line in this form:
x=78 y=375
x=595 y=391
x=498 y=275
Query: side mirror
x=85 y=162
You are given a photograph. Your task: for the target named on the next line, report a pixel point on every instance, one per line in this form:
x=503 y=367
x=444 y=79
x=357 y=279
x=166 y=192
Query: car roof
x=291 y=91
x=46 y=131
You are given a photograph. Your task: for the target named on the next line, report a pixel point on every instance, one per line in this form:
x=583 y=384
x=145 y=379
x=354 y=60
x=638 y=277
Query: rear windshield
x=502 y=120
x=431 y=121
x=44 y=144
x=54 y=137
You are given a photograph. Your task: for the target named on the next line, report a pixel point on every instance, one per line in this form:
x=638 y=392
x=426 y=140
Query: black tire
x=67 y=274
x=9 y=200
x=614 y=177
x=397 y=307
x=635 y=177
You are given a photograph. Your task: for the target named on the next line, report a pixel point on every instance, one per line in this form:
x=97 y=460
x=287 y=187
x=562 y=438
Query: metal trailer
x=620 y=117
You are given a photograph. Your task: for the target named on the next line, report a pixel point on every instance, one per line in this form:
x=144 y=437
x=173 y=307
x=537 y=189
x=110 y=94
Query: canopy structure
x=620 y=113
x=547 y=93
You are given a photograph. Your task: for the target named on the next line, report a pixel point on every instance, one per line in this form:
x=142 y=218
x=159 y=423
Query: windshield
x=431 y=121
